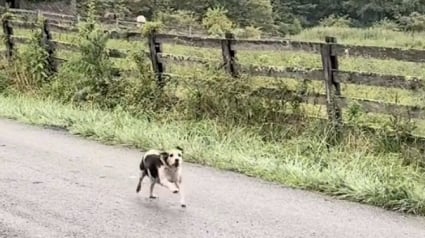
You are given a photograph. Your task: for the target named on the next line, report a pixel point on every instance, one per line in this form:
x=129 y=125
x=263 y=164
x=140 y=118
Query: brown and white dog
x=164 y=168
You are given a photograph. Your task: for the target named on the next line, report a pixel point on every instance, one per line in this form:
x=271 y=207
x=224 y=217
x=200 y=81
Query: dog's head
x=174 y=157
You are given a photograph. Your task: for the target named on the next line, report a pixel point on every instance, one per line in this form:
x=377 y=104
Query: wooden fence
x=329 y=74
x=67 y=20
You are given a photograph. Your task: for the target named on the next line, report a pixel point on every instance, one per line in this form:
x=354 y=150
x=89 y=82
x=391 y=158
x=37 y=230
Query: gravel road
x=53 y=184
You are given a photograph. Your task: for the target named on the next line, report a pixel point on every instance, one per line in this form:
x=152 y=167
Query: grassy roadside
x=355 y=174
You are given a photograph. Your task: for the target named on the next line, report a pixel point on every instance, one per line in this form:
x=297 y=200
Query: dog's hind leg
x=142 y=176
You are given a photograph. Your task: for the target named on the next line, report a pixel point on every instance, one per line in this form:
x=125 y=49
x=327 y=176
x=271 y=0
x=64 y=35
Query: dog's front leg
x=164 y=181
x=179 y=185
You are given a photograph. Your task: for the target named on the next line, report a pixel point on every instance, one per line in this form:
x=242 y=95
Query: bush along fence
x=329 y=50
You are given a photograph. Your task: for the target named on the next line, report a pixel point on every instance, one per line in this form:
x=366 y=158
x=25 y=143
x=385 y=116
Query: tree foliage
x=283 y=16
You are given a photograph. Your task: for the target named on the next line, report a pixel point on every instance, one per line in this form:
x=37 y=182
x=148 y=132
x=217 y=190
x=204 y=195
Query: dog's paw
x=183 y=205
x=176 y=191
x=153 y=197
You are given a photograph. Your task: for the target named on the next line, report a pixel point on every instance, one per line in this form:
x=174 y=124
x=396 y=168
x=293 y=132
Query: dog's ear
x=180 y=148
x=164 y=155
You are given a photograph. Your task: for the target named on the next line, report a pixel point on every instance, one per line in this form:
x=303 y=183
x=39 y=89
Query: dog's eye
x=171 y=155
x=180 y=155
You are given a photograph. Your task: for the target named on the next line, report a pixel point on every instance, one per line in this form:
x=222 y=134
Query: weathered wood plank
x=60 y=61
x=369 y=106
x=186 y=60
x=58 y=15
x=194 y=41
x=373 y=79
x=22 y=11
x=52 y=25
x=290 y=96
x=276 y=72
x=277 y=45
x=113 y=53
x=388 y=108
x=61 y=22
x=20 y=39
x=23 y=24
x=58 y=28
x=65 y=46
x=410 y=55
x=346 y=77
x=126 y=35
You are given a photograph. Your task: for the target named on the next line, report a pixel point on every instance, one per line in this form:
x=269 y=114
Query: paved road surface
x=53 y=184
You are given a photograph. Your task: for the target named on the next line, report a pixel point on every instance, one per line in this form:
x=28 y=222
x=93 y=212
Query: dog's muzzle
x=177 y=163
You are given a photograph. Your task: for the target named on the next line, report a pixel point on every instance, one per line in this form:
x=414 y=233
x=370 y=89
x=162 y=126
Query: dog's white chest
x=172 y=174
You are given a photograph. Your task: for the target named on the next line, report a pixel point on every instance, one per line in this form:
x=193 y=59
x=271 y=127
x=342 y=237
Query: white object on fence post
x=141 y=20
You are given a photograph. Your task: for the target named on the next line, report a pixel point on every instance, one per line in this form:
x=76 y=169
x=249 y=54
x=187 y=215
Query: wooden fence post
x=8 y=34
x=229 y=55
x=155 y=48
x=333 y=87
x=49 y=46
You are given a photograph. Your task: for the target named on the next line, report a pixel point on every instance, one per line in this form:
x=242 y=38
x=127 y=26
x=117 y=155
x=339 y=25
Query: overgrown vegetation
x=30 y=68
x=281 y=17
x=220 y=121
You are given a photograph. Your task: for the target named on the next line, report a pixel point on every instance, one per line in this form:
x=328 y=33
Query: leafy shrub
x=235 y=102
x=216 y=21
x=30 y=68
x=335 y=21
x=249 y=32
x=90 y=78
x=290 y=28
x=386 y=24
x=89 y=75
x=138 y=92
x=180 y=19
x=415 y=22
x=150 y=27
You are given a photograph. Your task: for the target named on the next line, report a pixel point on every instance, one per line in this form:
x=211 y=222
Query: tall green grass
x=355 y=173
x=373 y=36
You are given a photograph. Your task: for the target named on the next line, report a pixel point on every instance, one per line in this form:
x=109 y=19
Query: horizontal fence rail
x=367 y=105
